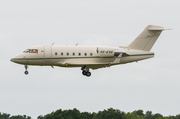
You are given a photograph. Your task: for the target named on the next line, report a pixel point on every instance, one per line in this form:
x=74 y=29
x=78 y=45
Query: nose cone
x=12 y=59
x=18 y=59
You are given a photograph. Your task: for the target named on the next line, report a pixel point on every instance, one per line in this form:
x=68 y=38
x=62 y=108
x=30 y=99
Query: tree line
x=8 y=116
x=105 y=114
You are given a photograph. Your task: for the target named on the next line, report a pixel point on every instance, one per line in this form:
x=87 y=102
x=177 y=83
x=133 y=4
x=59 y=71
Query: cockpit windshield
x=31 y=51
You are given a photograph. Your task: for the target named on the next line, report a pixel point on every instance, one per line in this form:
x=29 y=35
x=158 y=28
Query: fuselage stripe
x=78 y=57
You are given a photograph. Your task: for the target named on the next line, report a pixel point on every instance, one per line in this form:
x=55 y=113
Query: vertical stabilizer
x=147 y=38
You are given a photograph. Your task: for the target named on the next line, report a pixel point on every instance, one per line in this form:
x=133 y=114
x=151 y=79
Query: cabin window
x=61 y=53
x=85 y=54
x=79 y=54
x=67 y=53
x=73 y=53
x=55 y=53
x=31 y=51
x=90 y=54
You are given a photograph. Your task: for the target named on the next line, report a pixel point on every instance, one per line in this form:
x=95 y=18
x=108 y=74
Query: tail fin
x=147 y=38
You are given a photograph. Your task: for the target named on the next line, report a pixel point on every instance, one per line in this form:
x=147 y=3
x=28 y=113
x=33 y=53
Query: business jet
x=91 y=57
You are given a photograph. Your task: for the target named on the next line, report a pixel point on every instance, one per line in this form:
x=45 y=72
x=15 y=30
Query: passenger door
x=47 y=53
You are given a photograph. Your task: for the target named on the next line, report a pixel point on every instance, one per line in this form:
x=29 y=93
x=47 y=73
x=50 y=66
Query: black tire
x=88 y=74
x=26 y=72
x=84 y=72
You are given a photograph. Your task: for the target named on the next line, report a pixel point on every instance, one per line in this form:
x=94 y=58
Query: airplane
x=91 y=57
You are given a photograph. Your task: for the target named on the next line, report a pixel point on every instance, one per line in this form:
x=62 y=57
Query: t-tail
x=147 y=38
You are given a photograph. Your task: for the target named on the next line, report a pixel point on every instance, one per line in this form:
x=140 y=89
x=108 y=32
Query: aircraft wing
x=93 y=66
x=96 y=65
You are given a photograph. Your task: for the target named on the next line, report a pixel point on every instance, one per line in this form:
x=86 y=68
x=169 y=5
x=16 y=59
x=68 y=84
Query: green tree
x=157 y=115
x=163 y=118
x=20 y=117
x=40 y=117
x=139 y=112
x=110 y=114
x=148 y=115
x=85 y=115
x=132 y=116
x=177 y=116
x=4 y=116
x=94 y=116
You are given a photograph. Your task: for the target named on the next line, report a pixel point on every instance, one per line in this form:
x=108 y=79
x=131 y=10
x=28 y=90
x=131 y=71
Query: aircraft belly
x=36 y=62
x=106 y=59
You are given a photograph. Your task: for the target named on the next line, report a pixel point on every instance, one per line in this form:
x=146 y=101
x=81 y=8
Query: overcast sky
x=152 y=84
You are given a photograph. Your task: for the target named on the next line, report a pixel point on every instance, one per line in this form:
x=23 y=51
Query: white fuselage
x=77 y=56
x=91 y=57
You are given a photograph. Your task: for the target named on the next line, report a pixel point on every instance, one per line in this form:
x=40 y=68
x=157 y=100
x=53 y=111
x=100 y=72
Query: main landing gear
x=85 y=71
x=26 y=72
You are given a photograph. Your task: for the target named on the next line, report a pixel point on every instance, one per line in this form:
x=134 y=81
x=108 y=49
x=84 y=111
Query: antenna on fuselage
x=97 y=51
x=76 y=44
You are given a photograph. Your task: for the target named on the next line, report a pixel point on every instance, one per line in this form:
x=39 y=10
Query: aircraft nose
x=19 y=59
x=12 y=59
x=16 y=59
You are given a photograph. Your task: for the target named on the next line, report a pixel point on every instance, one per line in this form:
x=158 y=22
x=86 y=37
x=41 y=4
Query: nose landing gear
x=85 y=71
x=26 y=72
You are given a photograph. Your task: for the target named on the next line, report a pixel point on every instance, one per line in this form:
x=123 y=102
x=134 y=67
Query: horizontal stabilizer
x=156 y=29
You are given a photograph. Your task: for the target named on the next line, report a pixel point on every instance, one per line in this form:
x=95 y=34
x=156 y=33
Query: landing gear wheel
x=26 y=67
x=26 y=72
x=88 y=74
x=84 y=72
